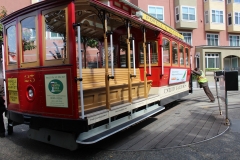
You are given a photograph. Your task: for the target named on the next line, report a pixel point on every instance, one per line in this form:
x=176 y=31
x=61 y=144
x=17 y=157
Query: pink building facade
x=14 y=5
x=210 y=26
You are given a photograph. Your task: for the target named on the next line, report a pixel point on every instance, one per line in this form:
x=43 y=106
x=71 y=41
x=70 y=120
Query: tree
x=3 y=13
x=93 y=43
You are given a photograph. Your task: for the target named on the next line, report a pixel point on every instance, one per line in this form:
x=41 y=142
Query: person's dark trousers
x=2 y=127
x=208 y=93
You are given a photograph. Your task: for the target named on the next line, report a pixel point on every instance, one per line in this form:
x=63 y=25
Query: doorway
x=231 y=63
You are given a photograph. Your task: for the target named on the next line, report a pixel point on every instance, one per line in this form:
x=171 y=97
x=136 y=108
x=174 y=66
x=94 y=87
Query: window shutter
x=177 y=13
x=229 y=18
x=206 y=17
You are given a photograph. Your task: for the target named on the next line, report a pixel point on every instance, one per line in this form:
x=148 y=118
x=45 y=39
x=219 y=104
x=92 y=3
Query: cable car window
x=166 y=52
x=181 y=51
x=29 y=44
x=11 y=45
x=174 y=53
x=187 y=56
x=102 y=51
x=123 y=51
x=153 y=53
x=55 y=26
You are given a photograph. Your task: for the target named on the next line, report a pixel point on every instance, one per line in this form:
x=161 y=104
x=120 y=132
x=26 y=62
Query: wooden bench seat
x=94 y=87
x=95 y=78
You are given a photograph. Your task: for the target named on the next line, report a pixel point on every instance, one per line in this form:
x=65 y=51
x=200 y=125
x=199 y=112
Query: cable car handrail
x=133 y=53
x=80 y=67
x=111 y=52
x=162 y=62
x=149 y=60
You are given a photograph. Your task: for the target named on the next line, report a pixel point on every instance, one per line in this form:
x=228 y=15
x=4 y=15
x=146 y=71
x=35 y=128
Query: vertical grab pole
x=149 y=60
x=80 y=69
x=129 y=64
x=111 y=48
x=133 y=52
x=106 y=62
x=191 y=62
x=4 y=77
x=145 y=65
x=215 y=78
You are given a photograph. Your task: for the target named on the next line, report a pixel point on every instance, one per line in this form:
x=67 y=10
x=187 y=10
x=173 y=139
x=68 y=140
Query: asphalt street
x=224 y=146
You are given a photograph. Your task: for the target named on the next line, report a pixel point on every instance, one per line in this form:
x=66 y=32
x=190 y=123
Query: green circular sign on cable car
x=55 y=86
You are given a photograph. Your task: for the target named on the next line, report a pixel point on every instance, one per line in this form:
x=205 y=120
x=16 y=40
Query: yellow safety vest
x=202 y=78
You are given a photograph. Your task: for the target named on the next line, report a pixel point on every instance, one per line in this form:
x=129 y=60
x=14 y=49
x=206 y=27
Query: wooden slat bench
x=94 y=88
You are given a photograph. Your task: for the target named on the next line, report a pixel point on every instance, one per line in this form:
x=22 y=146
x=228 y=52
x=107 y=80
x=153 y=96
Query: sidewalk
x=223 y=146
x=192 y=129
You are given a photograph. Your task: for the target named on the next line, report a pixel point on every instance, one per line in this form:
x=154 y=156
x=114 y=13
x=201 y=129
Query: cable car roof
x=87 y=13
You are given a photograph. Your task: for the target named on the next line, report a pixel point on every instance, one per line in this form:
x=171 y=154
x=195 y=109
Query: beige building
x=212 y=27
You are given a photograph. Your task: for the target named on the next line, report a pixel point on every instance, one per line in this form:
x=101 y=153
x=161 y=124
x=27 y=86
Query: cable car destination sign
x=158 y=23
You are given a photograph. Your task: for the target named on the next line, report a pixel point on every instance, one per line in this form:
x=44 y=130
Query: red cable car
x=64 y=89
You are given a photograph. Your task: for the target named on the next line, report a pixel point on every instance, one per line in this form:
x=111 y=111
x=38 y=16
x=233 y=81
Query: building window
x=236 y=1
x=234 y=40
x=54 y=35
x=188 y=13
x=206 y=17
x=177 y=13
x=217 y=16
x=212 y=39
x=229 y=18
x=157 y=12
x=237 y=17
x=211 y=60
x=187 y=37
x=229 y=1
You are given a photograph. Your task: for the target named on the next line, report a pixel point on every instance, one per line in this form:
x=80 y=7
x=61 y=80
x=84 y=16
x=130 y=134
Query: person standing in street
x=2 y=110
x=203 y=82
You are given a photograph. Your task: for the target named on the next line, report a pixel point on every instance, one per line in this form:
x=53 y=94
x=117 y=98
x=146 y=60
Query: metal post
x=226 y=108
x=80 y=69
x=219 y=105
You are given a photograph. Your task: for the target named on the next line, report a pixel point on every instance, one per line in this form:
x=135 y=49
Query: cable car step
x=91 y=138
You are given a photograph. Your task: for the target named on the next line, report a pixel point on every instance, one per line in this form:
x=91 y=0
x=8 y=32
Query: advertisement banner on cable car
x=178 y=76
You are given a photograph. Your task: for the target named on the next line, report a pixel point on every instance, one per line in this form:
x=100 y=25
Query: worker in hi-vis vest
x=203 y=82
